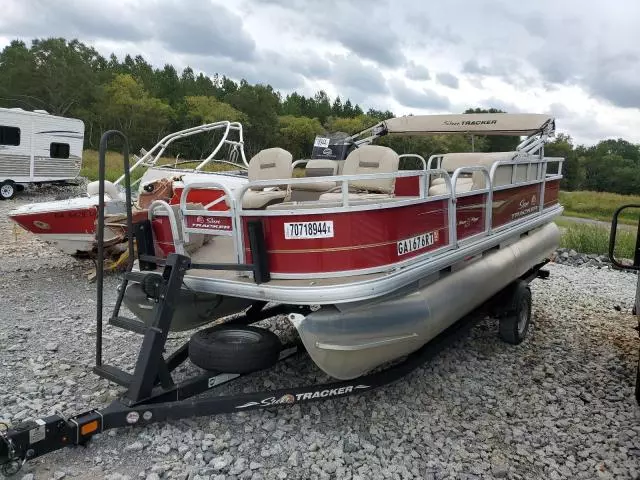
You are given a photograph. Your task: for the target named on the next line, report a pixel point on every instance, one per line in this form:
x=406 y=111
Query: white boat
x=71 y=224
x=387 y=258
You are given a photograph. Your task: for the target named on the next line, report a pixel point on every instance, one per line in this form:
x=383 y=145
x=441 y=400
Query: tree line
x=70 y=78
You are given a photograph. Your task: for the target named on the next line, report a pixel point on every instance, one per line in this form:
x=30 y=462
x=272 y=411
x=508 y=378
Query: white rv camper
x=36 y=147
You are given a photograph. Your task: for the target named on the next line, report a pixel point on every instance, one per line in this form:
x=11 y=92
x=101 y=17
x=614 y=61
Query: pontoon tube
x=347 y=342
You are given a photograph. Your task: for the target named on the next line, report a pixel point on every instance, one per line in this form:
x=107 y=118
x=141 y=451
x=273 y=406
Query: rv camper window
x=9 y=135
x=59 y=150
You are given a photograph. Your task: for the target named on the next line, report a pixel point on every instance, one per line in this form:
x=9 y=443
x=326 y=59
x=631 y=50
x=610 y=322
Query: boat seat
x=503 y=175
x=451 y=161
x=110 y=190
x=317 y=167
x=367 y=159
x=268 y=164
x=464 y=184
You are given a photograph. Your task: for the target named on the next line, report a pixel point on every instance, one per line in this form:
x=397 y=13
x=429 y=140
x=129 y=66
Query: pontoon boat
x=369 y=263
x=389 y=257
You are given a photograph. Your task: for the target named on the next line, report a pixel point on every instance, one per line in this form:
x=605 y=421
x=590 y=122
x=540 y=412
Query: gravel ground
x=558 y=406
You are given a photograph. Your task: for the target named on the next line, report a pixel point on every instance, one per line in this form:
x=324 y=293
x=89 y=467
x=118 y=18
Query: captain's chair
x=368 y=159
x=269 y=164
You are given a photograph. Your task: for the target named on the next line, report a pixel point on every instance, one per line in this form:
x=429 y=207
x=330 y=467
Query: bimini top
x=517 y=124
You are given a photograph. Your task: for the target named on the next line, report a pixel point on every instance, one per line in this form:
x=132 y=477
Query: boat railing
x=415 y=155
x=344 y=181
x=173 y=223
x=488 y=190
x=151 y=157
x=230 y=222
x=211 y=222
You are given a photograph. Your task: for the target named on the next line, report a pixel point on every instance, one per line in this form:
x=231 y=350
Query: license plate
x=298 y=230
x=418 y=242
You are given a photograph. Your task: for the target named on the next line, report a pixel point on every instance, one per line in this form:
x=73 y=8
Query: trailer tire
x=515 y=320
x=7 y=190
x=234 y=349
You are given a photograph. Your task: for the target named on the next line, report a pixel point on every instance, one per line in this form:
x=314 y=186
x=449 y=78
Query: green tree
x=562 y=146
x=202 y=109
x=336 y=108
x=53 y=74
x=322 y=106
x=350 y=125
x=127 y=106
x=296 y=134
x=260 y=103
x=494 y=143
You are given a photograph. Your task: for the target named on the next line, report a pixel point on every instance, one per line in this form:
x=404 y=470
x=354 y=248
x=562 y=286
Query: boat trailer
x=153 y=395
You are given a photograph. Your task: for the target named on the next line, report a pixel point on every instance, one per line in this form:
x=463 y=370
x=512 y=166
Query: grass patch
x=585 y=238
x=114 y=165
x=599 y=206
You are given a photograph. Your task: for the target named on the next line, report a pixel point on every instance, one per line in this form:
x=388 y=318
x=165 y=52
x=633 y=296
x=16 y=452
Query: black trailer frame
x=152 y=394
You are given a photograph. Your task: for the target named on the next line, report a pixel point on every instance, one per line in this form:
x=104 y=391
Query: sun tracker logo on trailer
x=289 y=398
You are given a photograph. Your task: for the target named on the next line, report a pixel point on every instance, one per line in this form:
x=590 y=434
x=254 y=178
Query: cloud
x=416 y=71
x=447 y=79
x=424 y=98
x=269 y=68
x=473 y=67
x=73 y=18
x=499 y=55
x=349 y=71
x=356 y=26
x=203 y=30
x=500 y=104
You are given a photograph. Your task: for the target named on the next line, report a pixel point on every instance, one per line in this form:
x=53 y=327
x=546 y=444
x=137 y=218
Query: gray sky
x=576 y=59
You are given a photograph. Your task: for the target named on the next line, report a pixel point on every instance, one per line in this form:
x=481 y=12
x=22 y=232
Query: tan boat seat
x=464 y=184
x=452 y=161
x=503 y=174
x=269 y=164
x=368 y=159
x=317 y=167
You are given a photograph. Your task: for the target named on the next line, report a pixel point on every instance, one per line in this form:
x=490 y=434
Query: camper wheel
x=514 y=323
x=7 y=190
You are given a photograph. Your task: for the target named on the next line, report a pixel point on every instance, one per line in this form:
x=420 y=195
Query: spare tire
x=234 y=349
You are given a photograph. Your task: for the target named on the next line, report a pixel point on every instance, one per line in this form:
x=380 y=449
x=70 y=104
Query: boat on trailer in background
x=389 y=257
x=371 y=264
x=71 y=224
